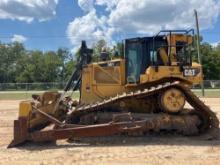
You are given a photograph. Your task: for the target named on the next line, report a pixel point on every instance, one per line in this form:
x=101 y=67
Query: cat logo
x=190 y=72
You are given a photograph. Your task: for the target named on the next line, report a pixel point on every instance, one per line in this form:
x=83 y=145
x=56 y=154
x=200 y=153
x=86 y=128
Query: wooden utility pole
x=198 y=48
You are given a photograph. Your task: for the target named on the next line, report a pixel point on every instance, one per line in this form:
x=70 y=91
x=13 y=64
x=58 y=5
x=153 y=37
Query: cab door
x=133 y=56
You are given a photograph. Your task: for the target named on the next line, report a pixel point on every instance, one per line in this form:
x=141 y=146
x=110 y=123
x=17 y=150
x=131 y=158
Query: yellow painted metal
x=37 y=119
x=25 y=108
x=152 y=74
x=173 y=39
x=47 y=103
x=172 y=100
x=102 y=80
x=105 y=79
x=164 y=56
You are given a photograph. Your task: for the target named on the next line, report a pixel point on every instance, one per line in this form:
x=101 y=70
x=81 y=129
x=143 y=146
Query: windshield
x=134 y=54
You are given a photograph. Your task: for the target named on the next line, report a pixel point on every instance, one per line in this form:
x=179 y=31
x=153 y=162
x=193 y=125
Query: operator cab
x=167 y=48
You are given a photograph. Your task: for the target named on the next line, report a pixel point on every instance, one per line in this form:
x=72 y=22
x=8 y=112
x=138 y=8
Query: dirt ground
x=154 y=149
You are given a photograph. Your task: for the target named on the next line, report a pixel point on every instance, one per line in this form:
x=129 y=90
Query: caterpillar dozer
x=143 y=91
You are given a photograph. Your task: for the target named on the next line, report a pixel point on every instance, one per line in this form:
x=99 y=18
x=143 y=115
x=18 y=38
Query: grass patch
x=25 y=95
x=209 y=93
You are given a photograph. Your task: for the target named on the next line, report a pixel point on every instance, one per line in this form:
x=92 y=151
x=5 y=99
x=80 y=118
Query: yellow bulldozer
x=143 y=91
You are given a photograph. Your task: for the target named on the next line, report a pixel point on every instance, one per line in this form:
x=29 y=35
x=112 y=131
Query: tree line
x=19 y=65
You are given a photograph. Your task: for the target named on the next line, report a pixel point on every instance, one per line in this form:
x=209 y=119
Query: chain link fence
x=25 y=90
x=21 y=91
x=209 y=84
x=31 y=86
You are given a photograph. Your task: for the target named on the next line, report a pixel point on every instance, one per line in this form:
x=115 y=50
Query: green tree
x=210 y=61
x=9 y=56
x=120 y=48
x=31 y=68
x=97 y=49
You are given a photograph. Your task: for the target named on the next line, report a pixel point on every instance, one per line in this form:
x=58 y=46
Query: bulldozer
x=144 y=90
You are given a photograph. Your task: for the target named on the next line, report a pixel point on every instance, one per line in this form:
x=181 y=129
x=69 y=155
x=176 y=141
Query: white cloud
x=215 y=44
x=110 y=4
x=150 y=16
x=89 y=27
x=18 y=38
x=138 y=17
x=28 y=10
x=86 y=5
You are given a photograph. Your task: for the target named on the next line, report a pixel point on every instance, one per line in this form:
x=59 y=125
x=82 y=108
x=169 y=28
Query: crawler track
x=209 y=123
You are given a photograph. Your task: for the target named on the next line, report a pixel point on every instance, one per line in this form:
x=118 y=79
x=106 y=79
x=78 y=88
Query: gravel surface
x=152 y=149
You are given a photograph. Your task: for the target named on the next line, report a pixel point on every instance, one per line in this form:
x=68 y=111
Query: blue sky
x=212 y=35
x=46 y=35
x=97 y=19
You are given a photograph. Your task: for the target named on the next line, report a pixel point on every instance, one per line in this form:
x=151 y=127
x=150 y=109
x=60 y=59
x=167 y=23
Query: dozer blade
x=22 y=135
x=20 y=132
